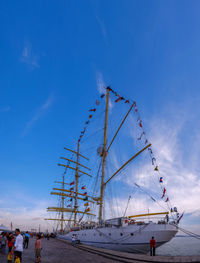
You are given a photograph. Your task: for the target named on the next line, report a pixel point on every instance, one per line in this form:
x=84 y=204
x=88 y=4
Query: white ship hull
x=131 y=238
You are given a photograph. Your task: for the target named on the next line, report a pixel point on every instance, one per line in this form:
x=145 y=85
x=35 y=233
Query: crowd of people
x=12 y=245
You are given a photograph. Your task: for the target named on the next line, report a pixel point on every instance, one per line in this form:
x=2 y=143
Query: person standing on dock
x=26 y=239
x=152 y=247
x=18 y=245
x=10 y=240
x=38 y=247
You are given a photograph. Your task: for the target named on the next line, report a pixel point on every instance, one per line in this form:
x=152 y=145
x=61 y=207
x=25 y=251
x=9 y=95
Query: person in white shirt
x=18 y=245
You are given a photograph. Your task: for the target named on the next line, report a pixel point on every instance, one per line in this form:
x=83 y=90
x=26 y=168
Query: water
x=180 y=246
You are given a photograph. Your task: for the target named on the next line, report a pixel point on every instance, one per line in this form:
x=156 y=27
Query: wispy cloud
x=25 y=217
x=178 y=166
x=101 y=86
x=39 y=112
x=25 y=211
x=6 y=109
x=102 y=28
x=100 y=82
x=29 y=57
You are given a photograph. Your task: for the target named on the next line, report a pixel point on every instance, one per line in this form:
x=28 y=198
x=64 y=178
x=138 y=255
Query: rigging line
x=134 y=156
x=96 y=117
x=189 y=233
x=120 y=127
x=120 y=94
x=152 y=198
x=155 y=165
x=97 y=177
x=90 y=148
x=169 y=209
x=90 y=136
x=127 y=205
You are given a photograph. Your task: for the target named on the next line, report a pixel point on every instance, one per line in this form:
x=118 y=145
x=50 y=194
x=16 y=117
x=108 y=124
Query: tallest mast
x=104 y=158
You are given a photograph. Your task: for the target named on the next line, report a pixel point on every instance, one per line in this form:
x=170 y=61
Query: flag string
x=143 y=137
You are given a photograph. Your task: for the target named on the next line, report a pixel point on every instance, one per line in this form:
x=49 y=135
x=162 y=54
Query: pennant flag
x=136 y=109
x=146 y=141
x=156 y=168
x=87 y=122
x=102 y=95
x=149 y=149
x=92 y=110
x=164 y=191
x=117 y=100
x=86 y=204
x=97 y=102
x=83 y=187
x=69 y=205
x=153 y=199
x=85 y=199
x=71 y=183
x=87 y=210
x=79 y=140
x=90 y=116
x=161 y=180
x=83 y=130
x=127 y=101
x=85 y=193
x=70 y=199
x=116 y=94
x=140 y=124
x=143 y=133
x=153 y=160
x=72 y=188
x=71 y=194
x=167 y=199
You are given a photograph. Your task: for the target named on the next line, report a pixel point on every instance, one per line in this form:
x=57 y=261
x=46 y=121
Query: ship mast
x=76 y=191
x=104 y=159
x=62 y=208
x=69 y=193
x=63 y=199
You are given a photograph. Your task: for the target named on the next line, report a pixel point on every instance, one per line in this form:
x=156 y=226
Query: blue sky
x=52 y=55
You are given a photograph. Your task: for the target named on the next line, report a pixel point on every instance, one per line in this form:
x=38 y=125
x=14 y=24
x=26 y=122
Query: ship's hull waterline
x=131 y=238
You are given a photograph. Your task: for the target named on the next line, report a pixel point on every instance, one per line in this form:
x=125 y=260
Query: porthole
x=132 y=234
x=100 y=234
x=121 y=234
x=109 y=234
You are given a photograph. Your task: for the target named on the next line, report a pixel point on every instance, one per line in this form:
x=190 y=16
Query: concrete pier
x=57 y=251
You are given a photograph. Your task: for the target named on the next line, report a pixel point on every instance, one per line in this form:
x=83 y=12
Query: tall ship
x=99 y=204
